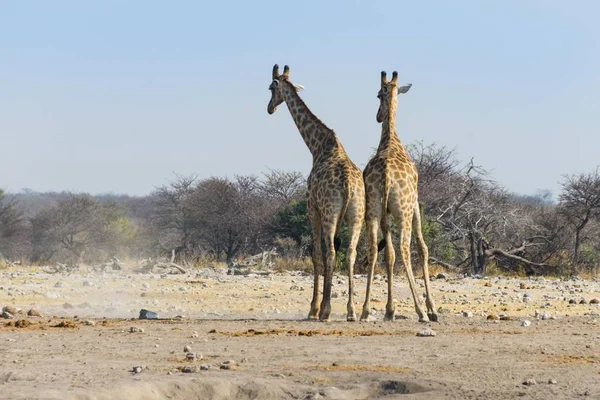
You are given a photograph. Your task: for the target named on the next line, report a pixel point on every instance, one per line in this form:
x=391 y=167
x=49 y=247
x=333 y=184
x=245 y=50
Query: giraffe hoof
x=389 y=317
x=365 y=317
x=424 y=318
x=433 y=317
x=351 y=318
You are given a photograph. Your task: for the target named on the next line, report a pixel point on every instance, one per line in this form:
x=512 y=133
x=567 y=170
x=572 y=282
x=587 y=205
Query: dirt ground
x=251 y=340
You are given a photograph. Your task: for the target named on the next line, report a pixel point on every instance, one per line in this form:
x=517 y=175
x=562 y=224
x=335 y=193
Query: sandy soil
x=250 y=333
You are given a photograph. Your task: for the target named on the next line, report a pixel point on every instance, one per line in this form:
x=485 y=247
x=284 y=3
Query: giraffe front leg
x=372 y=260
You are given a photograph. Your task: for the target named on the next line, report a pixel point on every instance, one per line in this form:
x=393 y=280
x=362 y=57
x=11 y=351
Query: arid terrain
x=221 y=336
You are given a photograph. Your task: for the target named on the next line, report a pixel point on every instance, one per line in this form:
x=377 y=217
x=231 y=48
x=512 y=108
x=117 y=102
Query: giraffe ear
x=404 y=89
x=298 y=87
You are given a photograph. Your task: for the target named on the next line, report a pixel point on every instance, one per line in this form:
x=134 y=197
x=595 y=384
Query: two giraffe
x=336 y=191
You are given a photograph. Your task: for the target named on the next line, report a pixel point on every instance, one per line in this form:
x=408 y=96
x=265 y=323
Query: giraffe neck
x=319 y=139
x=388 y=126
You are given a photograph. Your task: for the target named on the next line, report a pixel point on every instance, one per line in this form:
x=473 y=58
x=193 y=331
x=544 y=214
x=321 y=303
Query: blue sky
x=117 y=96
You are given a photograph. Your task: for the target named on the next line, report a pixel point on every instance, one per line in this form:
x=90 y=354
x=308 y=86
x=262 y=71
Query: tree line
x=471 y=223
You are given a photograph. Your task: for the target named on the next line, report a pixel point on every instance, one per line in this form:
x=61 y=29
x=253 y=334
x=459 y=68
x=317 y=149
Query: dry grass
x=310 y=332
x=282 y=264
x=572 y=359
x=21 y=323
x=435 y=269
x=476 y=331
x=65 y=324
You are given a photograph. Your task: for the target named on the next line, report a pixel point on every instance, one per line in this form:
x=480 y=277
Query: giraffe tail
x=384 y=209
x=347 y=199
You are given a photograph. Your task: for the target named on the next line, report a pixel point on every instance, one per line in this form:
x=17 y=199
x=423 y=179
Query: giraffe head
x=389 y=92
x=278 y=85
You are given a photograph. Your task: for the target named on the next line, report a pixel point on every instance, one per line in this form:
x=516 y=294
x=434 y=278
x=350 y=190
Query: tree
x=283 y=186
x=12 y=229
x=74 y=226
x=228 y=217
x=579 y=202
x=171 y=219
x=480 y=220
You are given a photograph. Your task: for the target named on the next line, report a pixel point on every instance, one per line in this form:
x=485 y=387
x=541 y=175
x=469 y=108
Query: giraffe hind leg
x=354 y=218
x=317 y=265
x=329 y=236
x=372 y=228
x=424 y=261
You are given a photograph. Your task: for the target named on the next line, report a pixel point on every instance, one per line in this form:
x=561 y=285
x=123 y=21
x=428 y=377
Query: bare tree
x=479 y=219
x=75 y=224
x=12 y=228
x=171 y=219
x=283 y=186
x=580 y=204
x=221 y=212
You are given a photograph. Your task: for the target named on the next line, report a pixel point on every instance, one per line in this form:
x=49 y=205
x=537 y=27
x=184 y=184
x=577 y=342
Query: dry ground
x=256 y=322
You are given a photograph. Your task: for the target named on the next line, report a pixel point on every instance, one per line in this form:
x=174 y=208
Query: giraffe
x=335 y=192
x=391 y=187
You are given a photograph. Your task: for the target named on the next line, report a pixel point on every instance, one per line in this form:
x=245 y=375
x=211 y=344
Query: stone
x=529 y=382
x=135 y=329
x=147 y=314
x=187 y=349
x=525 y=323
x=467 y=314
x=189 y=370
x=313 y=396
x=426 y=332
x=572 y=301
x=6 y=315
x=545 y=316
x=492 y=317
x=205 y=367
x=10 y=309
x=552 y=382
x=89 y=322
x=440 y=276
x=34 y=313
x=190 y=356
x=595 y=300
x=137 y=369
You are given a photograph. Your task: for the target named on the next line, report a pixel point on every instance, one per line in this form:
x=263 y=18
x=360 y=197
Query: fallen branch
x=443 y=264
x=493 y=252
x=170 y=265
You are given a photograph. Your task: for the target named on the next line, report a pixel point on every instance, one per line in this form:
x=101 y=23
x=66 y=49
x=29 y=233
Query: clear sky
x=117 y=96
